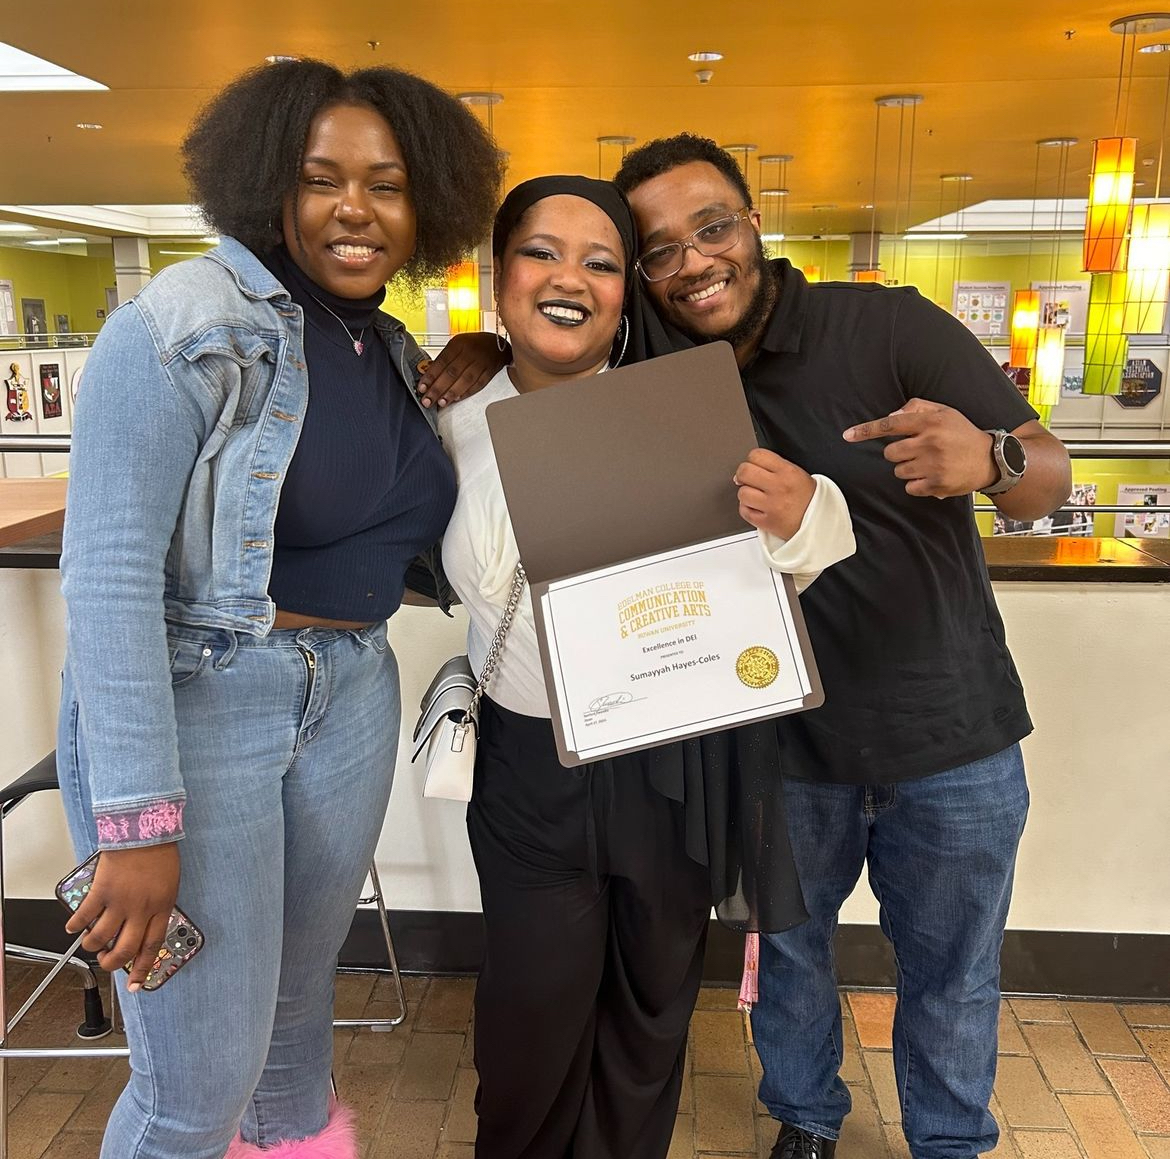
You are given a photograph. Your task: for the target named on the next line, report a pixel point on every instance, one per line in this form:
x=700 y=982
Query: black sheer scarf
x=728 y=783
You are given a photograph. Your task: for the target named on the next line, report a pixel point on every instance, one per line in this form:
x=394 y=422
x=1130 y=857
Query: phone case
x=183 y=938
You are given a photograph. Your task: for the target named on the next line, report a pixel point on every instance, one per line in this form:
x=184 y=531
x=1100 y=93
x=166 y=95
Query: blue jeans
x=941 y=852
x=288 y=774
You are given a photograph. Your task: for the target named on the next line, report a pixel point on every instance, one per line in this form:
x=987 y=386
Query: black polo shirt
x=909 y=642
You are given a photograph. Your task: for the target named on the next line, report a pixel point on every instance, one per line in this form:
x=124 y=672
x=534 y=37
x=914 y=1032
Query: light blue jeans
x=287 y=769
x=941 y=852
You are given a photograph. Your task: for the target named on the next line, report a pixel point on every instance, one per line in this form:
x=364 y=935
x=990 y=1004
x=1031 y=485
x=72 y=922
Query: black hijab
x=647 y=335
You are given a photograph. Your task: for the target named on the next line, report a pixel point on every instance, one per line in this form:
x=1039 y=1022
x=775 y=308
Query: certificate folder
x=601 y=472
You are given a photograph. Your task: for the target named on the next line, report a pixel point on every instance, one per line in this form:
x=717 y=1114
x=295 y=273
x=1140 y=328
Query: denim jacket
x=184 y=426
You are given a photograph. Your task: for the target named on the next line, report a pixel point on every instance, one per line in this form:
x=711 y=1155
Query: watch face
x=1013 y=454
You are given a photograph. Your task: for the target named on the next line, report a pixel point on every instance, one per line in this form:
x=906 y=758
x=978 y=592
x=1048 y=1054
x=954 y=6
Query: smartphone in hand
x=183 y=939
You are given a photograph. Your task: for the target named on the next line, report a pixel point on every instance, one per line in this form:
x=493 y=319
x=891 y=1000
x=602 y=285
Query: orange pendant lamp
x=1110 y=203
x=1025 y=327
x=463 y=298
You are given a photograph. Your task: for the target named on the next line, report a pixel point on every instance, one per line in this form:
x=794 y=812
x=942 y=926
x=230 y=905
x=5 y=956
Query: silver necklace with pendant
x=358 y=345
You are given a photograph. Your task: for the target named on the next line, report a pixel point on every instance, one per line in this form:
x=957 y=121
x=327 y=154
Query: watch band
x=1009 y=474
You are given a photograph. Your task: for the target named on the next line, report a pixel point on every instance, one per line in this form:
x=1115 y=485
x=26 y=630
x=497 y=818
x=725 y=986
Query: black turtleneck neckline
x=355 y=314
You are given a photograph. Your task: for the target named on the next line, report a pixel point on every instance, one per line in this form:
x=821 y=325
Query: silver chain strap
x=519 y=578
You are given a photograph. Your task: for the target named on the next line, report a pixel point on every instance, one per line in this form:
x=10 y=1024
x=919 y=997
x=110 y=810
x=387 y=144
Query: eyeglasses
x=712 y=239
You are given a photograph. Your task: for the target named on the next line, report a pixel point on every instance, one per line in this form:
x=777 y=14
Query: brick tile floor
x=1077 y=1080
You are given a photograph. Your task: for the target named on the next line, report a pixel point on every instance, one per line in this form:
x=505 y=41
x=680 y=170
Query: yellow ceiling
x=797 y=78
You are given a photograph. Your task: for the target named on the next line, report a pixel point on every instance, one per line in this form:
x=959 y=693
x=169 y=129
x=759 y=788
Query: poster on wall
x=1077 y=520
x=1064 y=304
x=1151 y=523
x=16 y=395
x=983 y=307
x=1141 y=380
x=35 y=322
x=51 y=407
x=7 y=307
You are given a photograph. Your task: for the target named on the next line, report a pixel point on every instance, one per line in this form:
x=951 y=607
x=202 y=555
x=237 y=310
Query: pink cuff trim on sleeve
x=749 y=986
x=137 y=826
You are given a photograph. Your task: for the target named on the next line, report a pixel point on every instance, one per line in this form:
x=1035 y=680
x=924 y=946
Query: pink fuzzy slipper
x=337 y=1141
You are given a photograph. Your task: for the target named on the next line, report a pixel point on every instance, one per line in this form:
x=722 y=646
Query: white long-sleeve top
x=480 y=552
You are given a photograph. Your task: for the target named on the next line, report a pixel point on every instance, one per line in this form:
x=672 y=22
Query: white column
x=131 y=265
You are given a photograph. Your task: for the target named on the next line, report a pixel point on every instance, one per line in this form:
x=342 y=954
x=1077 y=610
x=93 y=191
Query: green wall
x=67 y=283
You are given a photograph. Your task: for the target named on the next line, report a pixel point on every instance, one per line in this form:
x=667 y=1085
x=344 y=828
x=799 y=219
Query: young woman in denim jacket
x=251 y=474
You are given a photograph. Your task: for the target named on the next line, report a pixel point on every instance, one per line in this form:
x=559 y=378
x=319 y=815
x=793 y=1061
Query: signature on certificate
x=610 y=700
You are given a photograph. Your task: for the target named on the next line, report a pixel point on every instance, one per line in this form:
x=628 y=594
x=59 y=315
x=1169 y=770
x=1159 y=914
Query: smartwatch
x=1010 y=459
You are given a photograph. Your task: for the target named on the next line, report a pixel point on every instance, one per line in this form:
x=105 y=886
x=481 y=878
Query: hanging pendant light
x=872 y=271
x=612 y=140
x=1107 y=216
x=1044 y=389
x=1148 y=276
x=1106 y=344
x=1025 y=328
x=1110 y=202
x=774 y=198
x=463 y=298
x=1048 y=374
x=1025 y=321
x=1148 y=272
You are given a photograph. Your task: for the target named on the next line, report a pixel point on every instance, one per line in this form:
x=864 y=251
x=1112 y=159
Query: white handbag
x=448 y=725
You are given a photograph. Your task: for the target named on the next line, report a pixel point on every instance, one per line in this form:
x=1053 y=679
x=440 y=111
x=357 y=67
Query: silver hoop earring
x=501 y=339
x=620 y=339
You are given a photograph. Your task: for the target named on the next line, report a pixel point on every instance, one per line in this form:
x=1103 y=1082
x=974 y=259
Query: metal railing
x=46 y=444
x=37 y=342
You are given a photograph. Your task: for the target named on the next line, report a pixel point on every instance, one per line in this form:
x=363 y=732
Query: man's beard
x=755 y=317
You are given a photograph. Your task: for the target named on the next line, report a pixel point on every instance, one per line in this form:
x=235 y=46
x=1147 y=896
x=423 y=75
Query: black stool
x=43 y=775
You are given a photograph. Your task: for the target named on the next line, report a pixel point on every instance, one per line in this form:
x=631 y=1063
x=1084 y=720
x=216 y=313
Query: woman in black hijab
x=597 y=882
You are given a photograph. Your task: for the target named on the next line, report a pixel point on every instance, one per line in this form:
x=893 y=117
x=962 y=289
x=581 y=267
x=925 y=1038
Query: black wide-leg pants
x=596 y=921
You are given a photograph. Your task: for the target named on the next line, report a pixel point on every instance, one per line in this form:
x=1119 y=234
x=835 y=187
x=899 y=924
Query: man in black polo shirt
x=912 y=766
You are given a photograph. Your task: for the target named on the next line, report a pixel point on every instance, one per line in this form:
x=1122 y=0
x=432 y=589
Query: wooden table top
x=30 y=507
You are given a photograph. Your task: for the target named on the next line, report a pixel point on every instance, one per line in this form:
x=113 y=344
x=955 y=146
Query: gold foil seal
x=757 y=667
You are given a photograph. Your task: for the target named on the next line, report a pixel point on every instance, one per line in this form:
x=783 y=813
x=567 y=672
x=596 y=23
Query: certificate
x=686 y=641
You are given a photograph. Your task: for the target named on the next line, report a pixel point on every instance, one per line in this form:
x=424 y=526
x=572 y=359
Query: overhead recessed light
x=88 y=125
x=22 y=72
x=868 y=206
x=616 y=139
x=924 y=236
x=772 y=236
x=480 y=98
x=703 y=57
x=774 y=192
x=183 y=253
x=58 y=241
x=16 y=227
x=280 y=59
x=957 y=177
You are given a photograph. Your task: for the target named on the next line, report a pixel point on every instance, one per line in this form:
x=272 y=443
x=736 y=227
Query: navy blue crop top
x=369 y=485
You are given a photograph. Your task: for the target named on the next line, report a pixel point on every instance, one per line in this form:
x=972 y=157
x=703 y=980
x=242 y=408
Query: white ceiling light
x=58 y=241
x=21 y=72
x=16 y=227
x=703 y=57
